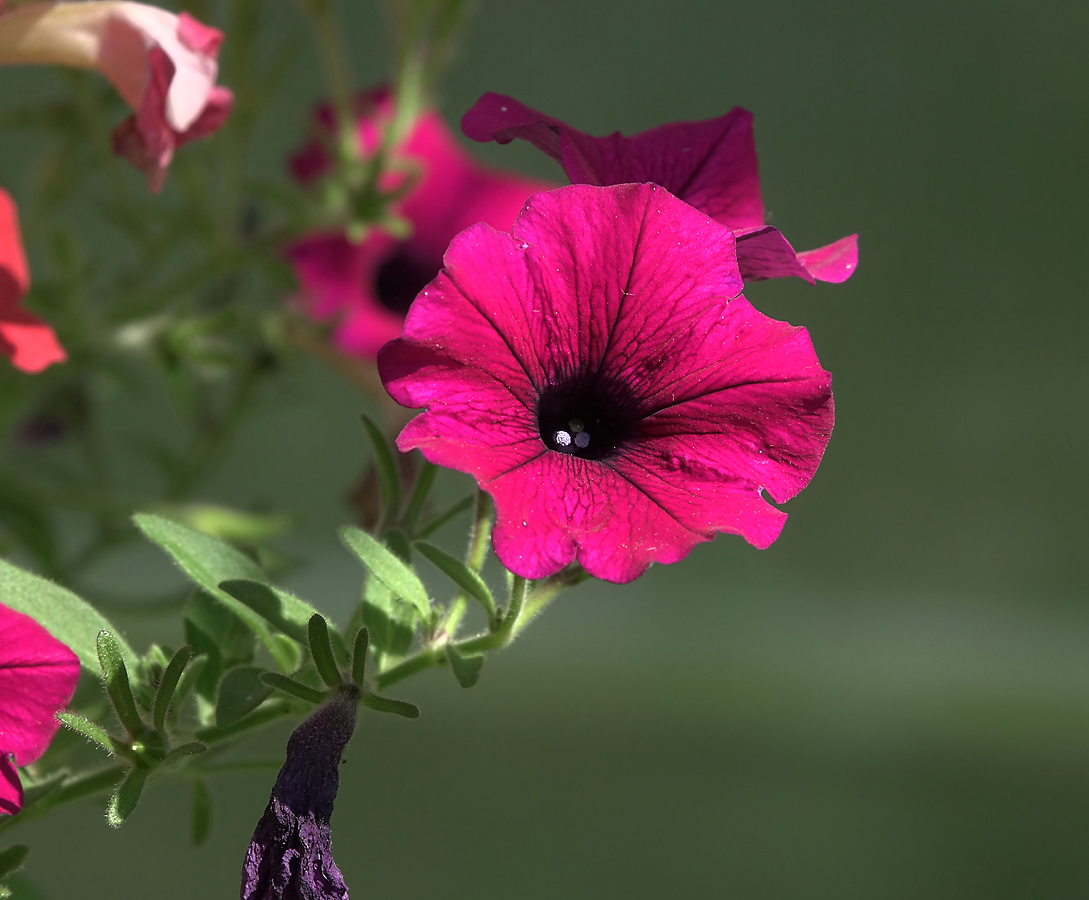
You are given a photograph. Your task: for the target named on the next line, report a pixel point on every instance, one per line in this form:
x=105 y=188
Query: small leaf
x=391 y=622
x=442 y=518
x=201 y=823
x=127 y=795
x=390 y=570
x=464 y=577
x=241 y=691
x=116 y=677
x=287 y=612
x=322 y=651
x=12 y=858
x=70 y=619
x=466 y=669
x=385 y=704
x=290 y=686
x=389 y=480
x=209 y=561
x=94 y=733
x=359 y=655
x=219 y=636
x=167 y=685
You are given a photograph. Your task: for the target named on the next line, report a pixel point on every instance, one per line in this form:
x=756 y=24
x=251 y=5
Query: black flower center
x=587 y=417
x=401 y=277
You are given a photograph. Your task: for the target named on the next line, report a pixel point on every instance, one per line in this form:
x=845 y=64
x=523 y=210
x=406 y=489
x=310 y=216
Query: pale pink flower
x=163 y=64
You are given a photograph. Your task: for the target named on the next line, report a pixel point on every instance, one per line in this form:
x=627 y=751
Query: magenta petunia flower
x=38 y=676
x=600 y=375
x=366 y=287
x=163 y=64
x=710 y=164
x=25 y=339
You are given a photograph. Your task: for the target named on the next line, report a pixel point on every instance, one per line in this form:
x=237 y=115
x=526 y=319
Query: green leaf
x=464 y=577
x=385 y=704
x=201 y=822
x=219 y=636
x=389 y=479
x=466 y=669
x=442 y=518
x=70 y=619
x=241 y=691
x=291 y=686
x=390 y=570
x=167 y=685
x=391 y=622
x=12 y=858
x=124 y=799
x=359 y=655
x=322 y=651
x=420 y=490
x=116 y=677
x=209 y=561
x=93 y=732
x=284 y=610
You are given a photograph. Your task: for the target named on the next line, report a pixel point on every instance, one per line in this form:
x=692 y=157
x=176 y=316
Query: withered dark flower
x=291 y=855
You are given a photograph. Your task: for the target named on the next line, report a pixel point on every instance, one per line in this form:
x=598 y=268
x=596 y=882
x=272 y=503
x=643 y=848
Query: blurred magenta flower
x=600 y=375
x=710 y=164
x=163 y=64
x=291 y=854
x=38 y=676
x=367 y=286
x=25 y=339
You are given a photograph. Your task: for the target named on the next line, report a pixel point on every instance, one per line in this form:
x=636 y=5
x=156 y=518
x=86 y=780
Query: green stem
x=418 y=662
x=334 y=63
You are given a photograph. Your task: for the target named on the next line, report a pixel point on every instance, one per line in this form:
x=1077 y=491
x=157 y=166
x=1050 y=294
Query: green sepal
x=359 y=655
x=466 y=669
x=200 y=823
x=291 y=686
x=389 y=479
x=288 y=613
x=209 y=561
x=168 y=684
x=322 y=651
x=183 y=752
x=385 y=704
x=389 y=569
x=70 y=619
x=464 y=577
x=241 y=691
x=124 y=799
x=116 y=676
x=12 y=858
x=95 y=733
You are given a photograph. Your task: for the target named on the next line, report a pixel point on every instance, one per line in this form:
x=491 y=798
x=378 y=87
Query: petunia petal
x=38 y=676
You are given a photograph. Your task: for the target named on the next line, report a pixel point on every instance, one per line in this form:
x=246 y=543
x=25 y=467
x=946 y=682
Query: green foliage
x=292 y=687
x=116 y=678
x=466 y=669
x=241 y=691
x=322 y=651
x=127 y=794
x=168 y=683
x=464 y=577
x=67 y=617
x=209 y=562
x=388 y=569
x=280 y=608
x=94 y=733
x=215 y=632
x=12 y=859
x=391 y=622
x=389 y=480
x=359 y=655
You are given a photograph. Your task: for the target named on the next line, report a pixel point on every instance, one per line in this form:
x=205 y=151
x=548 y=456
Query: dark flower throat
x=586 y=416
x=401 y=277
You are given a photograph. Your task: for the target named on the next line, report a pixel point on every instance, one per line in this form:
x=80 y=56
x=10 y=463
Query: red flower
x=38 y=676
x=366 y=287
x=600 y=375
x=26 y=340
x=710 y=164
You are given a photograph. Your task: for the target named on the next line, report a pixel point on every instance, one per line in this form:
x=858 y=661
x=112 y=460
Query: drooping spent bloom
x=38 y=676
x=710 y=164
x=25 y=339
x=163 y=64
x=367 y=286
x=600 y=375
x=291 y=855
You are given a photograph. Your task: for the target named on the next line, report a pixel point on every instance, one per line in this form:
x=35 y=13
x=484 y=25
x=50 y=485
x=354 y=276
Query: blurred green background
x=893 y=700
